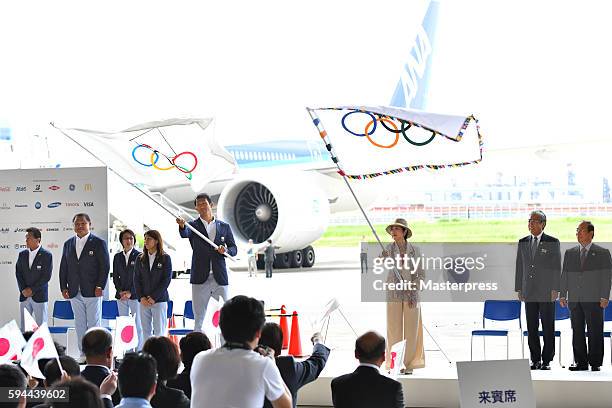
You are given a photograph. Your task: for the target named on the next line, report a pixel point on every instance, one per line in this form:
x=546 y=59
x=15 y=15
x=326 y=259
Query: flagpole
x=198 y=233
x=323 y=133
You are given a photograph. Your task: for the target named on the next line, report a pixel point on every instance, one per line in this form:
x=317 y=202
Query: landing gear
x=308 y=257
x=295 y=259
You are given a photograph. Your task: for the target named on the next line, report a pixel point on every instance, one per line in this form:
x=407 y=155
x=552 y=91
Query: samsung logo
x=54 y=205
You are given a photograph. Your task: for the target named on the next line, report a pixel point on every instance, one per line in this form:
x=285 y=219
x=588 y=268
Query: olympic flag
x=374 y=141
x=161 y=153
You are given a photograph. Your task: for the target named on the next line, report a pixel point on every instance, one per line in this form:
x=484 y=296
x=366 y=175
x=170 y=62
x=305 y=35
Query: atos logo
x=72 y=204
x=18 y=229
x=88 y=204
x=37 y=205
x=54 y=188
x=21 y=188
x=52 y=245
x=71 y=187
x=51 y=229
x=4 y=189
x=20 y=246
x=54 y=205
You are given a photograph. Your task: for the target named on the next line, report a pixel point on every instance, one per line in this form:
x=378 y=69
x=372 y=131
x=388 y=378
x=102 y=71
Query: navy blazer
x=89 y=271
x=536 y=278
x=366 y=388
x=204 y=254
x=153 y=282
x=123 y=275
x=36 y=278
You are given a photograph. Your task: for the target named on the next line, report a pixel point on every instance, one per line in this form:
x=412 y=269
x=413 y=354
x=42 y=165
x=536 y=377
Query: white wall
x=75 y=189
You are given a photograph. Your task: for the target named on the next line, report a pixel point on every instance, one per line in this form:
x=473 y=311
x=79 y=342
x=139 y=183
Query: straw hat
x=400 y=222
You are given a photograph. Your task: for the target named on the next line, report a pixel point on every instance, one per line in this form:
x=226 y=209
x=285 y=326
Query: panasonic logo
x=54 y=205
x=21 y=206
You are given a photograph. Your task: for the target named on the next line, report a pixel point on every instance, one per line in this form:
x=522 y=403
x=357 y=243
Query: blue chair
x=498 y=310
x=608 y=333
x=170 y=308
x=187 y=314
x=110 y=310
x=561 y=313
x=61 y=310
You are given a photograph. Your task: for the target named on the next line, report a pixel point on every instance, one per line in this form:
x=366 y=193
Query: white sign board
x=505 y=383
x=46 y=199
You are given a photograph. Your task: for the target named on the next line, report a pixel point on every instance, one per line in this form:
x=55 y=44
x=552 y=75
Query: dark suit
x=95 y=374
x=537 y=275
x=123 y=275
x=166 y=397
x=584 y=285
x=87 y=272
x=204 y=255
x=181 y=382
x=366 y=388
x=153 y=282
x=37 y=277
x=296 y=374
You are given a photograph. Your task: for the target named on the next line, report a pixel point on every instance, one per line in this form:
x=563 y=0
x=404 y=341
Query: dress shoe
x=536 y=366
x=595 y=368
x=545 y=366
x=575 y=367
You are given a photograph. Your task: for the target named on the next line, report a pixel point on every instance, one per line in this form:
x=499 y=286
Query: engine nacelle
x=290 y=209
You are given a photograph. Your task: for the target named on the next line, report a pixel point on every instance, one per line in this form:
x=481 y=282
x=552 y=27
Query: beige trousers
x=404 y=323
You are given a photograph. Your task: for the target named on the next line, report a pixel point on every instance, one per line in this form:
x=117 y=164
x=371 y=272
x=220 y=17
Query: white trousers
x=200 y=295
x=154 y=320
x=37 y=310
x=87 y=314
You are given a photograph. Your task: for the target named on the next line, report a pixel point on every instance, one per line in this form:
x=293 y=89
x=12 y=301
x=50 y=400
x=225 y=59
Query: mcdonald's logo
x=88 y=187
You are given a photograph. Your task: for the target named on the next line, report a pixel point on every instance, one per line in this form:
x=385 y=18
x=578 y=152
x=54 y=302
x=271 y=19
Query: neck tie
x=583 y=254
x=534 y=246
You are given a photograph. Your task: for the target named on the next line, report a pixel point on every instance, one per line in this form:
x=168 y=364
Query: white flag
x=29 y=324
x=211 y=318
x=330 y=307
x=126 y=335
x=39 y=346
x=397 y=358
x=11 y=342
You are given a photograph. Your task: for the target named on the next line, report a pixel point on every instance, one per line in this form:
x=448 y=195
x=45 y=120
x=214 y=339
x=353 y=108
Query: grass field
x=465 y=231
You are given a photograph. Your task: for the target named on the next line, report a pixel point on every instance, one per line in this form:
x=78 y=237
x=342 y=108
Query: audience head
x=81 y=393
x=97 y=345
x=370 y=348
x=166 y=355
x=191 y=345
x=53 y=374
x=138 y=376
x=11 y=376
x=272 y=336
x=241 y=320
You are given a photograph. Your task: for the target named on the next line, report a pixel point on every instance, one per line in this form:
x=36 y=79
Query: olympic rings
x=358 y=134
x=154 y=159
x=385 y=121
x=382 y=120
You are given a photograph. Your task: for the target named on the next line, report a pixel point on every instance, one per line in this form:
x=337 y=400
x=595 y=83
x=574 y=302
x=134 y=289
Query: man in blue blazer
x=83 y=275
x=205 y=258
x=33 y=272
x=124 y=263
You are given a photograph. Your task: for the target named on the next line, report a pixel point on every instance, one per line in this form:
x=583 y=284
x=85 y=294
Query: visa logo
x=88 y=204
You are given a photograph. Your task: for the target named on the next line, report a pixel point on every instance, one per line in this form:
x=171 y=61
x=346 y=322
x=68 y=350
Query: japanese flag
x=211 y=318
x=126 y=335
x=397 y=358
x=11 y=342
x=29 y=324
x=39 y=346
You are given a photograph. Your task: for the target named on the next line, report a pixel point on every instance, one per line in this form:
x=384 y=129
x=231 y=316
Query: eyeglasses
x=533 y=220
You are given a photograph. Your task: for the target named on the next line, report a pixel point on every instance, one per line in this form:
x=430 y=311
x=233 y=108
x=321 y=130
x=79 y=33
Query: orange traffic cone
x=172 y=325
x=284 y=327
x=295 y=345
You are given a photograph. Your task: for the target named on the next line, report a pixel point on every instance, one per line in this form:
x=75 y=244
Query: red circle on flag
x=215 y=318
x=393 y=355
x=5 y=346
x=127 y=334
x=39 y=344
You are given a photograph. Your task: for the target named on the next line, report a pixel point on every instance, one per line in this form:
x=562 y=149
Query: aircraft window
x=268 y=156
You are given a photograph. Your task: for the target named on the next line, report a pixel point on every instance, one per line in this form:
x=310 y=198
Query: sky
x=532 y=71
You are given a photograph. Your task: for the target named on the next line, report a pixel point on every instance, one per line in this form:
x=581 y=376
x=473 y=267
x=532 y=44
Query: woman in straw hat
x=403 y=309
